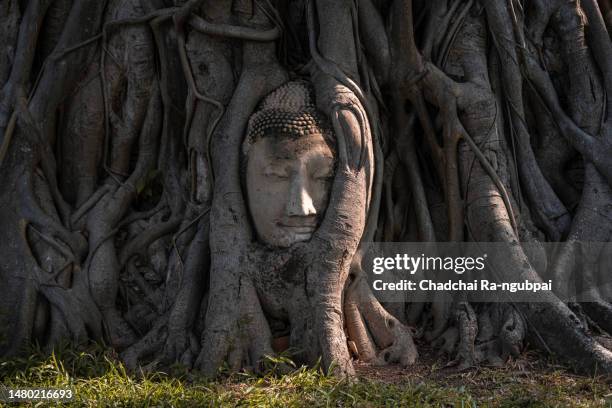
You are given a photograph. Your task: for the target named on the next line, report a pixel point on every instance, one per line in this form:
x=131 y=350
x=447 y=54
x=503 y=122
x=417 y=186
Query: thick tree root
x=371 y=327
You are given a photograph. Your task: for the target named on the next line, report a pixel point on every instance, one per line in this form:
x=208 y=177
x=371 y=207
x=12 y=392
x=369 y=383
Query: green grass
x=100 y=380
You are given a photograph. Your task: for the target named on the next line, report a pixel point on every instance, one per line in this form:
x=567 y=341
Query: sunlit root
x=380 y=338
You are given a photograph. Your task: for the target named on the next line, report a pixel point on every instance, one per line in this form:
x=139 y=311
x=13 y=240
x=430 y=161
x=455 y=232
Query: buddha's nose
x=300 y=201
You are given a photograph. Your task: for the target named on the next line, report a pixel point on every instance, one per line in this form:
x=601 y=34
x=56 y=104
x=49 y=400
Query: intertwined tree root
x=123 y=211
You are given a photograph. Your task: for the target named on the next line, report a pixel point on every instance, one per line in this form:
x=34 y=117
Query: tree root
x=370 y=325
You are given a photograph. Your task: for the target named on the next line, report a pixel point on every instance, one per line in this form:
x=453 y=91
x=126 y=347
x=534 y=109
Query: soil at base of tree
x=532 y=379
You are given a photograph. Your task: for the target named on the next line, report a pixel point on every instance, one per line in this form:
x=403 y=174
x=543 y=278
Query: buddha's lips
x=299 y=226
x=299 y=229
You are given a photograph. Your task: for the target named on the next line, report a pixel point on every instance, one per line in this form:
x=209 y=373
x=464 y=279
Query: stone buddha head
x=289 y=151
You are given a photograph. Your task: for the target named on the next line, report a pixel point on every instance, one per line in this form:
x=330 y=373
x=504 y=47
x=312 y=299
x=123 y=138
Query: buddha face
x=288 y=183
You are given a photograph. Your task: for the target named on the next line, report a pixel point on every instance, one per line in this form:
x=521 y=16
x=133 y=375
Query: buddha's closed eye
x=323 y=173
x=276 y=173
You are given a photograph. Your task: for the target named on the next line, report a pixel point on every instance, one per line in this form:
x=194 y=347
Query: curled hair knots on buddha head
x=288 y=111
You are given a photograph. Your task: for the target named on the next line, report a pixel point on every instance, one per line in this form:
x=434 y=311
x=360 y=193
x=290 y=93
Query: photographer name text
x=460 y=285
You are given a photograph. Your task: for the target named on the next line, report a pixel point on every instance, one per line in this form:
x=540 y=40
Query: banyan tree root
x=490 y=211
x=260 y=75
x=539 y=316
x=123 y=206
x=380 y=338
